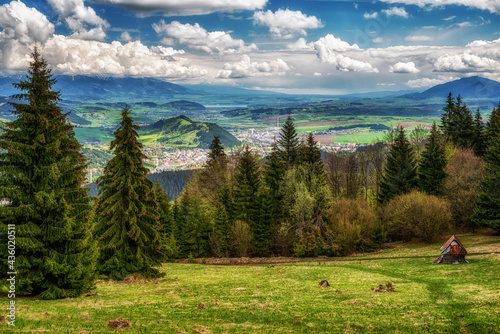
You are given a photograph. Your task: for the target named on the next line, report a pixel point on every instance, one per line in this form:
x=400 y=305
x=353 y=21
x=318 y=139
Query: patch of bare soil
x=324 y=139
x=387 y=288
x=273 y=119
x=119 y=323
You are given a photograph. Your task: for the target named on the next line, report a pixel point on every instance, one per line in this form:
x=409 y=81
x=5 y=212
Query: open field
x=200 y=298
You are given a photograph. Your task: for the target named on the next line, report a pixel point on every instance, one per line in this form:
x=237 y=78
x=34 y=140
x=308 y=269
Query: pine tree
x=457 y=122
x=431 y=172
x=248 y=201
x=487 y=211
x=128 y=224
x=310 y=155
x=493 y=125
x=41 y=173
x=273 y=178
x=216 y=154
x=478 y=141
x=289 y=143
x=400 y=171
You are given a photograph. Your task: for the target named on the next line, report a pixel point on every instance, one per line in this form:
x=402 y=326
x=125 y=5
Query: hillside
x=472 y=88
x=183 y=132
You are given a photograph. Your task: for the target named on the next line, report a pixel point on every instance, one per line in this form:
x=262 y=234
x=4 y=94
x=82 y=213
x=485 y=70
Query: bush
x=351 y=222
x=464 y=173
x=416 y=215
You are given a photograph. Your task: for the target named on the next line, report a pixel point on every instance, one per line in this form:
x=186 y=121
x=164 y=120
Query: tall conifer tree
x=289 y=143
x=478 y=142
x=128 y=224
x=487 y=211
x=431 y=172
x=41 y=173
x=400 y=171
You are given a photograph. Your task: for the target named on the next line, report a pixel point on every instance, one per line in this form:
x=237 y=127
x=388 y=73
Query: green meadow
x=287 y=298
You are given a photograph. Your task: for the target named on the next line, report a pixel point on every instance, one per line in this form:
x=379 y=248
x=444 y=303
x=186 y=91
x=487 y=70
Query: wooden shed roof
x=447 y=244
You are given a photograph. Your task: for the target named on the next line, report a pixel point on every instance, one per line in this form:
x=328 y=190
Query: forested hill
x=181 y=131
x=172 y=182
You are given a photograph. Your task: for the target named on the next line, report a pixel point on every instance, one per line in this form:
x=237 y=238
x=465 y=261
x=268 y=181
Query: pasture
x=286 y=297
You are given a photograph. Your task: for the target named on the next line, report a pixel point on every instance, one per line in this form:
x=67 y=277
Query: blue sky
x=293 y=46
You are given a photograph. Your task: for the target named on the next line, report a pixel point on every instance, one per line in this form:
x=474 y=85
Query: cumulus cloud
x=466 y=62
x=404 y=68
x=186 y=7
x=286 y=23
x=300 y=44
x=329 y=49
x=368 y=16
x=81 y=19
x=396 y=11
x=418 y=38
x=125 y=37
x=74 y=56
x=491 y=5
x=196 y=37
x=429 y=82
x=21 y=26
x=246 y=68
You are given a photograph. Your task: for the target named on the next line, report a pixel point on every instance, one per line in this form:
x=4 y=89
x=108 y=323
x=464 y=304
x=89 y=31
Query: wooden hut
x=452 y=252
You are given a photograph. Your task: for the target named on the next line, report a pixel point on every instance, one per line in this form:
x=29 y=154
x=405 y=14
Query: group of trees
x=291 y=202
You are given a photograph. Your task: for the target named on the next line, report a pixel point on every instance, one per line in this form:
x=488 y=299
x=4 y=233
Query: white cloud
x=329 y=49
x=466 y=62
x=370 y=16
x=74 y=56
x=300 y=44
x=429 y=82
x=21 y=26
x=78 y=17
x=246 y=68
x=286 y=23
x=418 y=38
x=125 y=37
x=187 y=7
x=197 y=38
x=404 y=68
x=491 y=5
x=450 y=18
x=396 y=11
x=378 y=40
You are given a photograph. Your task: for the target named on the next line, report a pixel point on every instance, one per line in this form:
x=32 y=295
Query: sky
x=288 y=46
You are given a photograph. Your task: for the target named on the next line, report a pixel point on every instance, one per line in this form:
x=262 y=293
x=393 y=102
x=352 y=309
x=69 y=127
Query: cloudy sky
x=291 y=46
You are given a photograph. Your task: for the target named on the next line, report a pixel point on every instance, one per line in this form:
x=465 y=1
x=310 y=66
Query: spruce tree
x=128 y=224
x=289 y=143
x=493 y=125
x=41 y=173
x=478 y=141
x=216 y=154
x=273 y=177
x=431 y=172
x=248 y=202
x=400 y=171
x=487 y=211
x=310 y=155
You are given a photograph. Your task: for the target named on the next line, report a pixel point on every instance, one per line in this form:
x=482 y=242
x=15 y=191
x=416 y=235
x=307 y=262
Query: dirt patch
x=387 y=288
x=324 y=139
x=119 y=323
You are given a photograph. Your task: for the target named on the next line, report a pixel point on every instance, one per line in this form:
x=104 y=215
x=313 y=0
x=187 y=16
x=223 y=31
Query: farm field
x=286 y=298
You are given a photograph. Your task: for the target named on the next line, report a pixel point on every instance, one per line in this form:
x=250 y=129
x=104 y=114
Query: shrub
x=416 y=215
x=464 y=173
x=351 y=221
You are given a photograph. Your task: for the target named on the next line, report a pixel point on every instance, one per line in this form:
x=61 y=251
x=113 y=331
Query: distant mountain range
x=181 y=131
x=470 y=88
x=82 y=87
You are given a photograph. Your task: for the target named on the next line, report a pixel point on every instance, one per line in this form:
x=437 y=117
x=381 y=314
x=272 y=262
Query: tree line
x=291 y=202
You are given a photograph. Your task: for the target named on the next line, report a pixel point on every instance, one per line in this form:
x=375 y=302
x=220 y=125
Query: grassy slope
x=430 y=298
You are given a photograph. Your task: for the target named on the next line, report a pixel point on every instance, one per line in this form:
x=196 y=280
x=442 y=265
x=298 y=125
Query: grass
x=197 y=298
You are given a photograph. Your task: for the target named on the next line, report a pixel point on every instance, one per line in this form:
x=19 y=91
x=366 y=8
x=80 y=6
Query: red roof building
x=452 y=252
